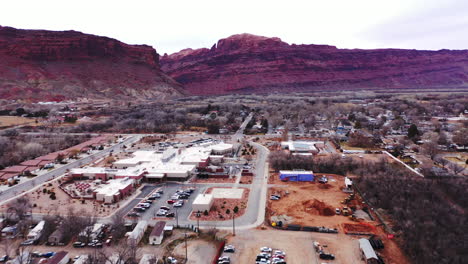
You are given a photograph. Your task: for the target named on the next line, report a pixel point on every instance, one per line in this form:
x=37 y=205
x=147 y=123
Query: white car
x=179 y=204
x=265 y=249
x=279 y=252
x=172 y=260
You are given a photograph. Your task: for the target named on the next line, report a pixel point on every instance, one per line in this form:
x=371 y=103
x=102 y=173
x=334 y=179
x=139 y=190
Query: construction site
x=327 y=204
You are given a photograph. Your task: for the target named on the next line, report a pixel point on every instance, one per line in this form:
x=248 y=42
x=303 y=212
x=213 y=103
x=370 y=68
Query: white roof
x=113 y=187
x=295 y=172
x=139 y=228
x=367 y=249
x=221 y=146
x=203 y=199
x=301 y=145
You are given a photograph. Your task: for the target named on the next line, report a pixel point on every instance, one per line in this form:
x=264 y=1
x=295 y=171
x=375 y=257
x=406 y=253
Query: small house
x=56 y=237
x=157 y=234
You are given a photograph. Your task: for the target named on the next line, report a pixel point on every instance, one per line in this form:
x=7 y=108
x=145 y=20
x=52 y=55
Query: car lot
x=298 y=246
x=183 y=209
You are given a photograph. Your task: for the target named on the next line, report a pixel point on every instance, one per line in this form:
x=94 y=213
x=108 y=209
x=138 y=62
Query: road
x=39 y=180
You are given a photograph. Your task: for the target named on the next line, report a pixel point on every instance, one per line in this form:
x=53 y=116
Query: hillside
x=52 y=65
x=247 y=64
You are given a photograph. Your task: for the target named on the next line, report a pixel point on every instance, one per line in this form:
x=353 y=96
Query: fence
x=219 y=252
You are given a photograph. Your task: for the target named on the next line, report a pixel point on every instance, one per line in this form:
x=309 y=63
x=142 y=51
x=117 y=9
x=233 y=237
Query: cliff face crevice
x=42 y=65
x=248 y=63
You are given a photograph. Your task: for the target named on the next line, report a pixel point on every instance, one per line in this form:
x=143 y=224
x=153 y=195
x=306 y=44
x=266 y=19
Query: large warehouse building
x=296 y=175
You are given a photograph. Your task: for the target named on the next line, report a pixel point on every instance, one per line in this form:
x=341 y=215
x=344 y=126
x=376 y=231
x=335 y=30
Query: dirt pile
x=358 y=228
x=325 y=186
x=318 y=207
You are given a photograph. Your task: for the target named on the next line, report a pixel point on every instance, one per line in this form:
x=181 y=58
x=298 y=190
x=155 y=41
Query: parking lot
x=168 y=189
x=298 y=246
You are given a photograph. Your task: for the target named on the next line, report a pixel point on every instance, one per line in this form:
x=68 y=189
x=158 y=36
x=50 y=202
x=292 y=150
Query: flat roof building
x=202 y=202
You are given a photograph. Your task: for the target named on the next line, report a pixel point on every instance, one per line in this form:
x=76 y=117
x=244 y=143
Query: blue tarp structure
x=296 y=176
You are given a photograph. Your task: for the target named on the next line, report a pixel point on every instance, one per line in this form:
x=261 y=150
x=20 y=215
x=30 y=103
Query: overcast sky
x=172 y=25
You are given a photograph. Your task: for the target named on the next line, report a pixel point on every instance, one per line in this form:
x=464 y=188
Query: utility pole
x=177 y=216
x=233 y=224
x=198 y=221
x=186 y=251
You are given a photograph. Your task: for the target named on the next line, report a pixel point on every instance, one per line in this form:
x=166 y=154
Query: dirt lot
x=198 y=251
x=310 y=204
x=297 y=246
x=8 y=121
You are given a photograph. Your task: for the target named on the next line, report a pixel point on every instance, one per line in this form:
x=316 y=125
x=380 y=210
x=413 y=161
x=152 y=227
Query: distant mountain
x=50 y=65
x=247 y=64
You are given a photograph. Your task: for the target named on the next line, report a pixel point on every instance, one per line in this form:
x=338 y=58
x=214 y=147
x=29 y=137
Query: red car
x=171 y=201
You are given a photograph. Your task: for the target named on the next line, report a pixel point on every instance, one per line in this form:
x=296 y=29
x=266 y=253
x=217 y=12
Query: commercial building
x=172 y=164
x=114 y=190
x=296 y=175
x=157 y=234
x=302 y=147
x=202 y=202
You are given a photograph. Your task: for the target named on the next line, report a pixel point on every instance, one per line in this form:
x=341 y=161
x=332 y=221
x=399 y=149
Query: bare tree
x=456 y=168
x=431 y=149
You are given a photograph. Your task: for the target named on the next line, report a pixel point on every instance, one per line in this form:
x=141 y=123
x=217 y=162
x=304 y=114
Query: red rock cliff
x=44 y=65
x=249 y=63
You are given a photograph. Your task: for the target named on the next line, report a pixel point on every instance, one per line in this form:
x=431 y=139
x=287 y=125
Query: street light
x=186 y=252
x=177 y=216
x=233 y=224
x=198 y=214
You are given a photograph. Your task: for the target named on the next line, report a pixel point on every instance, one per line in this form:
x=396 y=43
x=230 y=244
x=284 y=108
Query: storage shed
x=368 y=252
x=157 y=234
x=297 y=176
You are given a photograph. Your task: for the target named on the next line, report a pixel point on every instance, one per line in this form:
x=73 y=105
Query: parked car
x=171 y=201
x=27 y=242
x=4 y=258
x=161 y=212
x=160 y=191
x=139 y=209
x=79 y=244
x=265 y=249
x=229 y=249
x=274 y=197
x=179 y=203
x=133 y=214
x=48 y=254
x=172 y=260
x=170 y=215
x=326 y=256
x=164 y=208
x=337 y=211
x=323 y=179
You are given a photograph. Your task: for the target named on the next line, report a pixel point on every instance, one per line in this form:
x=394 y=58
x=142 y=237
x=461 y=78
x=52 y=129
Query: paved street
x=38 y=180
